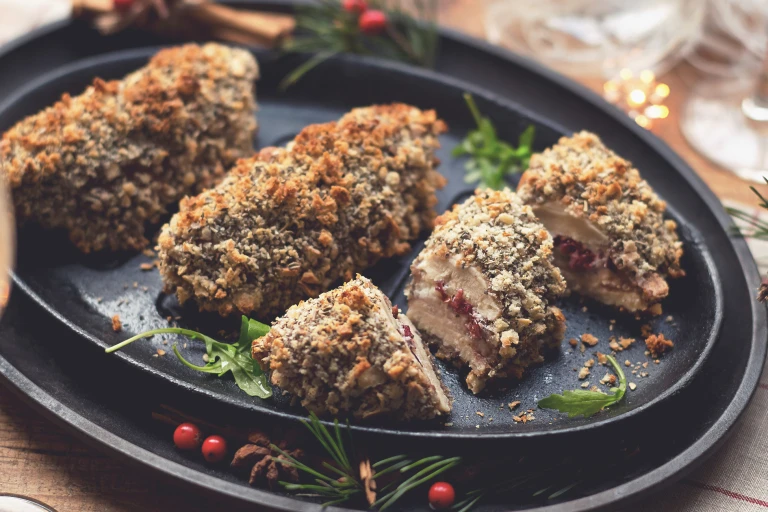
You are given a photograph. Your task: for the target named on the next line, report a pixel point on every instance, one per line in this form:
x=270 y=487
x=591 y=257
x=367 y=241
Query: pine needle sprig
x=325 y=29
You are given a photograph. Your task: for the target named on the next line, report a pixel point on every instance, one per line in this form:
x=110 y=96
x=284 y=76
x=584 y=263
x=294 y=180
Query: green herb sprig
x=222 y=357
x=491 y=159
x=757 y=229
x=586 y=403
x=342 y=484
x=326 y=29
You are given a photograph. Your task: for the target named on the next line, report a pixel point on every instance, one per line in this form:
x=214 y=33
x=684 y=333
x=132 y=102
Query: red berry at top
x=372 y=22
x=355 y=6
x=187 y=436
x=441 y=495
x=214 y=449
x=122 y=5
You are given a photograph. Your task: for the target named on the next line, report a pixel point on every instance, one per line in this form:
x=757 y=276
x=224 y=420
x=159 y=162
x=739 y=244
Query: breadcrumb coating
x=594 y=183
x=346 y=353
x=493 y=233
x=289 y=222
x=104 y=164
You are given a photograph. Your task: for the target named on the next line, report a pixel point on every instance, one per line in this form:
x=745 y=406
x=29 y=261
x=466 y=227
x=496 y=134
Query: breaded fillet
x=104 y=164
x=349 y=352
x=612 y=241
x=289 y=222
x=483 y=286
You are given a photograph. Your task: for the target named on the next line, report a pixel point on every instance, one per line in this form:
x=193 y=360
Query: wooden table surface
x=40 y=460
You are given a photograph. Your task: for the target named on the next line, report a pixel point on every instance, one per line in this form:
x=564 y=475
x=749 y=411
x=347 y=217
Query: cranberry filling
x=460 y=305
x=408 y=337
x=579 y=257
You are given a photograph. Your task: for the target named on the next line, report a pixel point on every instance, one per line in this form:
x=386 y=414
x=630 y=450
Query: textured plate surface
x=86 y=291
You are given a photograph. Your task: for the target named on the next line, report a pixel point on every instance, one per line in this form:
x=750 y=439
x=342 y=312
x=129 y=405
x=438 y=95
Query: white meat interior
x=427 y=309
x=420 y=352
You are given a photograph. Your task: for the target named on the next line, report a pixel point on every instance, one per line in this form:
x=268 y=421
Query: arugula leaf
x=587 y=403
x=490 y=158
x=222 y=357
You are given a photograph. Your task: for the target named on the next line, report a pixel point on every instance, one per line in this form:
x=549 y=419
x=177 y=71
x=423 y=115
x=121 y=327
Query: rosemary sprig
x=344 y=485
x=758 y=230
x=491 y=159
x=326 y=29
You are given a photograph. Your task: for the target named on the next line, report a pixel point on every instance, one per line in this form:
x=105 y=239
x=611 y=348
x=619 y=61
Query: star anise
x=265 y=465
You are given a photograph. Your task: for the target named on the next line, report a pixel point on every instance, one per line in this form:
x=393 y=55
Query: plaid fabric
x=735 y=480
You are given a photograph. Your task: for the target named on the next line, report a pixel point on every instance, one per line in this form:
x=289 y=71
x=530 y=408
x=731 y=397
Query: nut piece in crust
x=611 y=240
x=288 y=223
x=104 y=164
x=483 y=287
x=345 y=353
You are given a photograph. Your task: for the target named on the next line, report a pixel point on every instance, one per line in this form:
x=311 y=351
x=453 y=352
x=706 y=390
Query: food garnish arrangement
x=285 y=235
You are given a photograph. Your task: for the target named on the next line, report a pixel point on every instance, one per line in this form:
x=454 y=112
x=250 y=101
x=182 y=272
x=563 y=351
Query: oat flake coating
x=289 y=222
x=483 y=288
x=104 y=164
x=346 y=353
x=590 y=182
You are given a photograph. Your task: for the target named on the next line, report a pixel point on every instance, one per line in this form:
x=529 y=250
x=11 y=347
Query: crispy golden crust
x=287 y=223
x=103 y=164
x=495 y=234
x=594 y=183
x=345 y=353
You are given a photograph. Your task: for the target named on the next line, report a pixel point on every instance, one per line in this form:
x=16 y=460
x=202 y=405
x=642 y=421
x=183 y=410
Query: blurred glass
x=6 y=245
x=725 y=117
x=597 y=37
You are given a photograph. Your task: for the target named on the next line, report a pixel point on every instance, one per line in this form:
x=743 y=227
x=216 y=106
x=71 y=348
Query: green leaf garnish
x=222 y=357
x=491 y=159
x=587 y=403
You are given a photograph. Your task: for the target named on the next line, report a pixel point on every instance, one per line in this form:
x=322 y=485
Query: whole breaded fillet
x=289 y=222
x=612 y=242
x=349 y=352
x=104 y=164
x=484 y=285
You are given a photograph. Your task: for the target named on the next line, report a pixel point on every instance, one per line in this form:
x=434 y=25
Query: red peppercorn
x=122 y=5
x=372 y=22
x=214 y=449
x=187 y=436
x=441 y=495
x=355 y=6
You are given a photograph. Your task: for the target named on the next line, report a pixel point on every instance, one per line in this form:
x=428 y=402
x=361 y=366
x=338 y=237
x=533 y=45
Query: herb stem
x=168 y=330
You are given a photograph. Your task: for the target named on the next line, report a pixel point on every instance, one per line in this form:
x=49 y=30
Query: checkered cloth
x=735 y=480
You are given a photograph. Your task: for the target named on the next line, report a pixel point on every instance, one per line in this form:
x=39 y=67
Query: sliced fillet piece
x=349 y=352
x=482 y=288
x=105 y=164
x=288 y=223
x=612 y=242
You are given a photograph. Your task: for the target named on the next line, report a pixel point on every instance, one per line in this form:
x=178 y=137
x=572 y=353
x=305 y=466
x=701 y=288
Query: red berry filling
x=579 y=257
x=460 y=306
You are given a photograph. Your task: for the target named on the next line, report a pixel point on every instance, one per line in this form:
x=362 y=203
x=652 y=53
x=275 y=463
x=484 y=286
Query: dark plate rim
x=672 y=470
x=479 y=92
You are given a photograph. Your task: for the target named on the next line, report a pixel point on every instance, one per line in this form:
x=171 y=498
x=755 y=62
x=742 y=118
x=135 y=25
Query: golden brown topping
x=657 y=344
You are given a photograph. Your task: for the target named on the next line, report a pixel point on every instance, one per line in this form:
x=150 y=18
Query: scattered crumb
x=645 y=364
x=626 y=342
x=99 y=299
x=582 y=348
x=449 y=424
x=609 y=379
x=135 y=284
x=612 y=320
x=145 y=288
x=601 y=358
x=573 y=342
x=594 y=388
x=517 y=419
x=645 y=330
x=477 y=426
x=514 y=404
x=627 y=363
x=584 y=309
x=615 y=346
x=657 y=344
x=656 y=361
x=117 y=325
x=585 y=385
x=610 y=327
x=160 y=352
x=655 y=309
x=205 y=357
x=588 y=339
x=632 y=386
x=147 y=266
x=647 y=353
x=149 y=253
x=482 y=415
x=155 y=355
x=583 y=373
x=643 y=374
x=669 y=318
x=589 y=363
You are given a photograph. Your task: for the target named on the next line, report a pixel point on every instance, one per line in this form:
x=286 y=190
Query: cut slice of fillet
x=482 y=288
x=350 y=352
